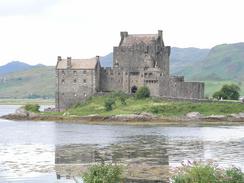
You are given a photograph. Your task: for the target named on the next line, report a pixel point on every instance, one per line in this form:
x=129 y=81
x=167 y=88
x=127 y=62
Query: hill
x=36 y=82
x=183 y=58
x=223 y=62
x=14 y=67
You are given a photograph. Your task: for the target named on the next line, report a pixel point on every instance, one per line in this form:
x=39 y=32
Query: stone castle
x=139 y=60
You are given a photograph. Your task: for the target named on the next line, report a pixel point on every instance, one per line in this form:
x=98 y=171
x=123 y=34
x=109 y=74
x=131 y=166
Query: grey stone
x=194 y=115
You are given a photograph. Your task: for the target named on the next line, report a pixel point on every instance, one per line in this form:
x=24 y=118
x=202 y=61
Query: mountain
x=14 y=67
x=223 y=62
x=36 y=82
x=107 y=60
x=182 y=58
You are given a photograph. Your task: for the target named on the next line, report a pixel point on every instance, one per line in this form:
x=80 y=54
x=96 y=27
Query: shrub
x=121 y=96
x=206 y=173
x=142 y=92
x=103 y=174
x=108 y=104
x=229 y=92
x=32 y=107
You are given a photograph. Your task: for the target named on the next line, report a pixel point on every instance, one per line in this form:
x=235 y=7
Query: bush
x=142 y=92
x=109 y=102
x=121 y=96
x=206 y=173
x=32 y=107
x=229 y=92
x=103 y=174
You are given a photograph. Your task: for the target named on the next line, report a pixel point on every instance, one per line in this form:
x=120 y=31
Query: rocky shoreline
x=23 y=115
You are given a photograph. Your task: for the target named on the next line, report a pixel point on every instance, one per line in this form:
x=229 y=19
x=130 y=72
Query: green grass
x=206 y=173
x=95 y=105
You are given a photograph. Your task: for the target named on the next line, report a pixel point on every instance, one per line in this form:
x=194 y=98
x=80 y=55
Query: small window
x=75 y=73
x=62 y=81
x=75 y=95
x=63 y=73
x=75 y=81
x=84 y=80
x=84 y=72
x=84 y=94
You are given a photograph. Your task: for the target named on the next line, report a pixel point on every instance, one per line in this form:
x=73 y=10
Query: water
x=56 y=152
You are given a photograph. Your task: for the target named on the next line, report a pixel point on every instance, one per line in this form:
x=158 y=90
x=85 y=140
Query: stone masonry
x=139 y=60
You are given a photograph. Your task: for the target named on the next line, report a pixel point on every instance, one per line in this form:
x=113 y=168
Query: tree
x=143 y=92
x=228 y=92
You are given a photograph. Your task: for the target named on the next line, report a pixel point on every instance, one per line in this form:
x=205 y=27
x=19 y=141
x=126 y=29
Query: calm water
x=57 y=152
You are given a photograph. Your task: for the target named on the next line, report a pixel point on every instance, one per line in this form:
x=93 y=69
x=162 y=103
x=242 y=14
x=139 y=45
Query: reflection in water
x=145 y=157
x=46 y=151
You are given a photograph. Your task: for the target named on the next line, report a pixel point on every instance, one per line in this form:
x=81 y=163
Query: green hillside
x=183 y=58
x=37 y=82
x=224 y=62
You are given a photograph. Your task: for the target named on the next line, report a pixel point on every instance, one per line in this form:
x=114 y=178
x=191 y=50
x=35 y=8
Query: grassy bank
x=95 y=105
x=26 y=101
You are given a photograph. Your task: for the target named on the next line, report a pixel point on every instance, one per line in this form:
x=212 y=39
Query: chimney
x=68 y=62
x=160 y=34
x=59 y=58
x=97 y=58
x=123 y=34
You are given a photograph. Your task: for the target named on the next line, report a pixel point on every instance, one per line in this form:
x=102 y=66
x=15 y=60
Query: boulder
x=194 y=115
x=21 y=112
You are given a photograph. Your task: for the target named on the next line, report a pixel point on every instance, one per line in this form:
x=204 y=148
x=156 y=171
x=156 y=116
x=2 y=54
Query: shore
x=133 y=119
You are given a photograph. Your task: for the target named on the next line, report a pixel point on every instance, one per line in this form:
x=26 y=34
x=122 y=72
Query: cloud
x=24 y=7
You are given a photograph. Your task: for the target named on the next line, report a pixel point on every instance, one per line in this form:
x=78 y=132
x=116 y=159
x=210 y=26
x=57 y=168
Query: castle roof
x=78 y=63
x=133 y=39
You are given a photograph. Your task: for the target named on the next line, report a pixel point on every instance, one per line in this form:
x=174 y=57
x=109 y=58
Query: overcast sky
x=37 y=31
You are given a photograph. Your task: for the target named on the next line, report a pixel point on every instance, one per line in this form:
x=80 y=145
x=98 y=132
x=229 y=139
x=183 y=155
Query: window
x=75 y=81
x=84 y=72
x=84 y=81
x=75 y=73
x=62 y=81
x=63 y=72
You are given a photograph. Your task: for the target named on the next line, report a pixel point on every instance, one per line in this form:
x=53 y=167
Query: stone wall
x=171 y=87
x=73 y=86
x=111 y=79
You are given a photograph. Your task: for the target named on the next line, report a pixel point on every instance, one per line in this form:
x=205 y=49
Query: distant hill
x=14 y=67
x=107 y=60
x=223 y=62
x=182 y=58
x=217 y=66
x=36 y=82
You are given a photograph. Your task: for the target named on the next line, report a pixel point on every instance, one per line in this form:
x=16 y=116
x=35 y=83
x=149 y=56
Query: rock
x=49 y=109
x=216 y=117
x=21 y=112
x=194 y=115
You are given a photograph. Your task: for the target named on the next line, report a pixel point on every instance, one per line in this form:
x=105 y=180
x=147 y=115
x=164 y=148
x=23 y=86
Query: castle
x=139 y=60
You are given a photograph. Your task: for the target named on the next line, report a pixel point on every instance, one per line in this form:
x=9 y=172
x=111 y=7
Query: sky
x=37 y=31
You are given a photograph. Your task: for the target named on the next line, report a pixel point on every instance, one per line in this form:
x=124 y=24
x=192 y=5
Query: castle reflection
x=144 y=157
